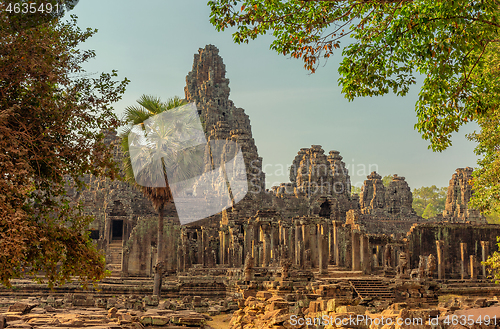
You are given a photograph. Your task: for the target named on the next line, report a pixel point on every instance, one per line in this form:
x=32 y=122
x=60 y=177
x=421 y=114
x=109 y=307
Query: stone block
x=351 y=309
x=12 y=316
x=278 y=305
x=20 y=307
x=188 y=320
x=196 y=301
x=159 y=320
x=263 y=295
x=146 y=320
x=150 y=301
x=331 y=305
x=314 y=307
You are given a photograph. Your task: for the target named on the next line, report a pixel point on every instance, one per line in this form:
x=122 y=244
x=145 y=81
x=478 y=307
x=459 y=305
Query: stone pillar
x=323 y=249
x=298 y=236
x=485 y=246
x=260 y=249
x=306 y=235
x=314 y=244
x=227 y=246
x=463 y=260
x=331 y=256
x=300 y=254
x=440 y=258
x=336 y=254
x=267 y=245
x=272 y=242
x=247 y=238
x=473 y=273
x=356 y=264
x=291 y=243
x=222 y=246
x=366 y=257
x=283 y=241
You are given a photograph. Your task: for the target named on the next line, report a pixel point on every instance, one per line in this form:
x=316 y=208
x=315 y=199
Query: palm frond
x=136 y=115
x=152 y=104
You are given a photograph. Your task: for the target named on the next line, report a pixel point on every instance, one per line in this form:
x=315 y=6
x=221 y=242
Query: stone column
x=275 y=242
x=356 y=264
x=267 y=245
x=463 y=260
x=331 y=256
x=222 y=246
x=306 y=235
x=473 y=273
x=313 y=244
x=227 y=246
x=298 y=239
x=323 y=249
x=291 y=243
x=247 y=238
x=485 y=246
x=440 y=258
x=301 y=254
x=366 y=264
x=260 y=252
x=336 y=254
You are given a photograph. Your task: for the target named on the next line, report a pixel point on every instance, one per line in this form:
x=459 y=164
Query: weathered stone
x=21 y=307
x=457 y=199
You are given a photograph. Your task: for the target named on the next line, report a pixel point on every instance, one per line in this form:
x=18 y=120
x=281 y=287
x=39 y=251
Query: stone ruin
x=313 y=220
x=306 y=241
x=304 y=247
x=457 y=200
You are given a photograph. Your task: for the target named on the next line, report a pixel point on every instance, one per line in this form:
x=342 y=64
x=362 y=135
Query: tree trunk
x=159 y=256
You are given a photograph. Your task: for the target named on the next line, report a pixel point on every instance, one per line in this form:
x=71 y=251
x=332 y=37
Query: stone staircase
x=114 y=258
x=375 y=288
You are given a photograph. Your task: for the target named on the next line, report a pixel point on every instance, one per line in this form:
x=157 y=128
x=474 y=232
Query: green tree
x=51 y=118
x=451 y=44
x=485 y=180
x=429 y=211
x=429 y=195
x=386 y=180
x=355 y=189
x=493 y=217
x=149 y=106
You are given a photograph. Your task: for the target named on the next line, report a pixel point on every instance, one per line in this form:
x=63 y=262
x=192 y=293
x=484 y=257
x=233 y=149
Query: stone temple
x=308 y=230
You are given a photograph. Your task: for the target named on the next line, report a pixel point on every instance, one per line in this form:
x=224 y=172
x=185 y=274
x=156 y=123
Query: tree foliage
x=386 y=180
x=493 y=264
x=452 y=45
x=51 y=118
x=429 y=195
x=355 y=189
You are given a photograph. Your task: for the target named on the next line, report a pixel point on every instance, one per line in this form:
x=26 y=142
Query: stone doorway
x=325 y=210
x=117 y=229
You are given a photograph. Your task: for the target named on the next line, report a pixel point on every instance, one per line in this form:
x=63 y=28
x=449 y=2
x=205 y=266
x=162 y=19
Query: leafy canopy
x=453 y=45
x=430 y=198
x=51 y=118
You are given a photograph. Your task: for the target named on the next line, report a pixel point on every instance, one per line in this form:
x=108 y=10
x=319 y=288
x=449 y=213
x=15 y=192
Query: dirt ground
x=220 y=321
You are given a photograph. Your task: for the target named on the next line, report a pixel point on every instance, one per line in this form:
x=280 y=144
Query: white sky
x=152 y=43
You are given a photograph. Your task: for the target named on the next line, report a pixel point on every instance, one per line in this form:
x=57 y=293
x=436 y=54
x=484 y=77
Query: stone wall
x=457 y=199
x=459 y=243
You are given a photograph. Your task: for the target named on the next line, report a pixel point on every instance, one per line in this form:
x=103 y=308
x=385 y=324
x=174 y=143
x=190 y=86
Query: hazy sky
x=152 y=43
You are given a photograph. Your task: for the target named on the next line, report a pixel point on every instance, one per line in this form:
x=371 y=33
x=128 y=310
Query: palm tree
x=149 y=106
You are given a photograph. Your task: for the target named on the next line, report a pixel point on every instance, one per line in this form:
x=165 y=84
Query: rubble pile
x=123 y=312
x=271 y=311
